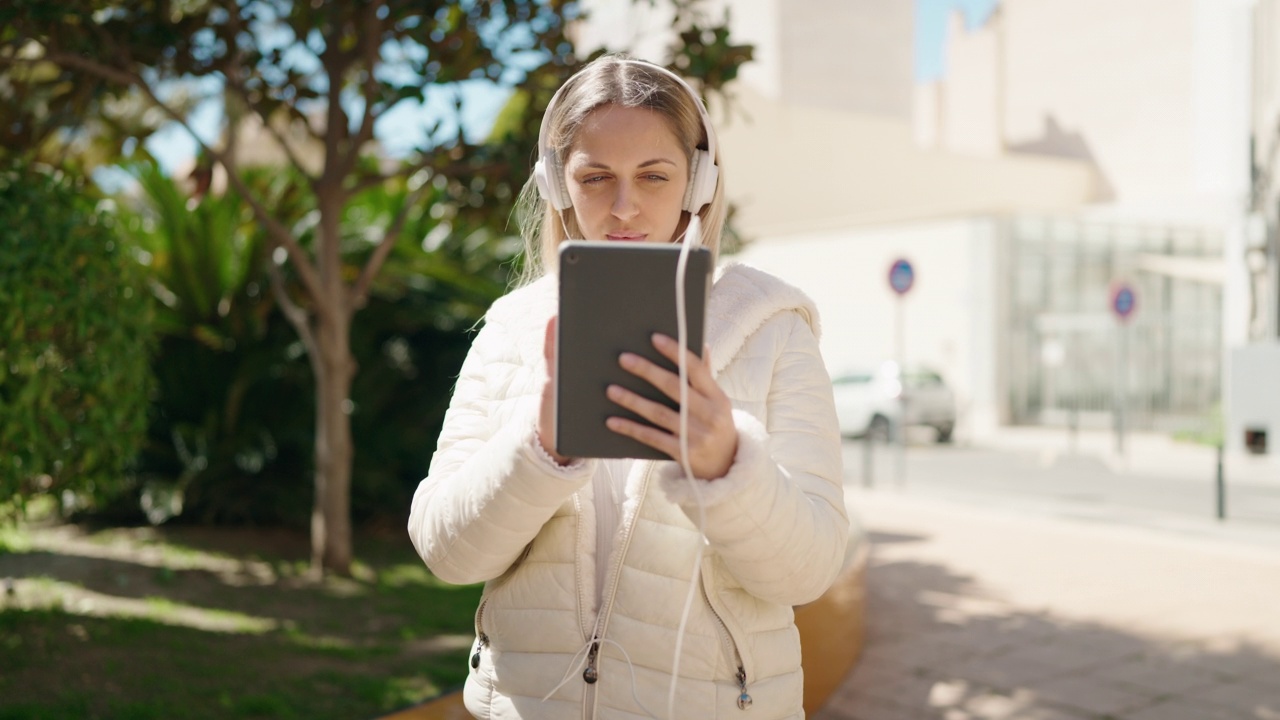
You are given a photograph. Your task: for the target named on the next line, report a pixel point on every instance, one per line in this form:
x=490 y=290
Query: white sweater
x=493 y=508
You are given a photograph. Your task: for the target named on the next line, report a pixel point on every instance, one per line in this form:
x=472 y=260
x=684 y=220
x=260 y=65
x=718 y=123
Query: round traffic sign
x=1123 y=301
x=901 y=276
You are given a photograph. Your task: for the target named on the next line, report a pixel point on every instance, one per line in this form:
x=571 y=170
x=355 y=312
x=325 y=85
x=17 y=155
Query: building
x=1074 y=145
x=1253 y=373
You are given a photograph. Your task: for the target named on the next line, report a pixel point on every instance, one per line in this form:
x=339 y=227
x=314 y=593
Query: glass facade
x=1068 y=357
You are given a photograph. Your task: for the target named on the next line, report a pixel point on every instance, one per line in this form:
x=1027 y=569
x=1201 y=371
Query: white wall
x=969 y=97
x=850 y=55
x=1254 y=396
x=1155 y=92
x=797 y=169
x=1221 y=100
x=950 y=314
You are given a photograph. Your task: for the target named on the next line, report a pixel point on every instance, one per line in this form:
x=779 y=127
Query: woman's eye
x=655 y=177
x=593 y=179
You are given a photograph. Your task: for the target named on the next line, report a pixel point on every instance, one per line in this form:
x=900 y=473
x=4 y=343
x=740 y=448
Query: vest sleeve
x=777 y=519
x=489 y=490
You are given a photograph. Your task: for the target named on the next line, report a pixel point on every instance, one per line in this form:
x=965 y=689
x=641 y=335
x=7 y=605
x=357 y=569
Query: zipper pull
x=744 y=700
x=591 y=675
x=475 y=658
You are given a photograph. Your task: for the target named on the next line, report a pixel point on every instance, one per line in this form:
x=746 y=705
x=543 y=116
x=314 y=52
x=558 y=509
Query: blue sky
x=931 y=30
x=402 y=129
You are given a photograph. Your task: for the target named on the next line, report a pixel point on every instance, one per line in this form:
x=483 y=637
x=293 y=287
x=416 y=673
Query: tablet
x=613 y=297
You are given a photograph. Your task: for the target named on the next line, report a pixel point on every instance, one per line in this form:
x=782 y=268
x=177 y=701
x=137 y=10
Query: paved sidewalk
x=978 y=613
x=1145 y=453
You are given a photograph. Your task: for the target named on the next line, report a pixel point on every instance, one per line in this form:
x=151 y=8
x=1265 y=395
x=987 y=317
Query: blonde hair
x=611 y=80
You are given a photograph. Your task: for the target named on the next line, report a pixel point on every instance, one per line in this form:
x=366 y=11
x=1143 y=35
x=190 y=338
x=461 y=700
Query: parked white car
x=869 y=401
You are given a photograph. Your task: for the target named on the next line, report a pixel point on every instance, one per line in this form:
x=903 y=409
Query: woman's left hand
x=713 y=438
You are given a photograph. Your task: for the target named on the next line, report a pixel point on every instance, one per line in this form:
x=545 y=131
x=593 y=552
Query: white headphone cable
x=693 y=234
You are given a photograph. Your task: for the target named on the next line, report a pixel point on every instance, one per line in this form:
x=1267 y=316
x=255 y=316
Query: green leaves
x=76 y=344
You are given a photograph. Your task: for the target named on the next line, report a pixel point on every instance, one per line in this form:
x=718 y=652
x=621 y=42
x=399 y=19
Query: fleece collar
x=742 y=300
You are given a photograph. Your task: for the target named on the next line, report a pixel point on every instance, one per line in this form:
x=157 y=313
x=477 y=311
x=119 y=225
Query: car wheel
x=879 y=431
x=944 y=432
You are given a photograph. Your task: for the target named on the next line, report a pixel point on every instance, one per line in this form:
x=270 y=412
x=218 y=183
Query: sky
x=931 y=31
x=401 y=129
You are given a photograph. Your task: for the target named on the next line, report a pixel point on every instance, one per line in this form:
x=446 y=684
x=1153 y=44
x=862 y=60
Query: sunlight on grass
x=405 y=691
x=128 y=624
x=160 y=551
x=398 y=576
x=14 y=540
x=317 y=642
x=172 y=613
x=36 y=509
x=40 y=593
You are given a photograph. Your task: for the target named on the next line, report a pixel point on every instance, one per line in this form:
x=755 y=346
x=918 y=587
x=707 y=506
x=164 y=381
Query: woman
x=587 y=563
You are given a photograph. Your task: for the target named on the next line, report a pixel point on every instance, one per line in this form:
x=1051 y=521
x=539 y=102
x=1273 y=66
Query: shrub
x=74 y=374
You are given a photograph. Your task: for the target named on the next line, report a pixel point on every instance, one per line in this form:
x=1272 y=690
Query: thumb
x=549 y=342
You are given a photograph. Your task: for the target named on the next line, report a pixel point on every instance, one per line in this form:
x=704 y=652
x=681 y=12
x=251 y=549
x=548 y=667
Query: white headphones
x=548 y=171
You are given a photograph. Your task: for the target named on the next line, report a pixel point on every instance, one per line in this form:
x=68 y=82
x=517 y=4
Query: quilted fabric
x=494 y=509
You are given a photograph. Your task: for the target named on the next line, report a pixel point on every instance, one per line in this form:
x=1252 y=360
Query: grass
x=133 y=624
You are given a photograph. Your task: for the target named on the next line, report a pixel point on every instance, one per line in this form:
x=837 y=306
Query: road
x=1156 y=483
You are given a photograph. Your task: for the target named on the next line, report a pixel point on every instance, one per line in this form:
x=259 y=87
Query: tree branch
x=275 y=230
x=377 y=179
x=236 y=83
x=360 y=291
x=296 y=316
x=370 y=47
x=279 y=137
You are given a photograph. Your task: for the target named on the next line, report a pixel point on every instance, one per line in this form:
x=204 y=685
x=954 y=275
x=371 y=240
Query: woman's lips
x=626 y=237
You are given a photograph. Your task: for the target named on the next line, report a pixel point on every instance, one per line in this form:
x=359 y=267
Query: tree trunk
x=331 y=512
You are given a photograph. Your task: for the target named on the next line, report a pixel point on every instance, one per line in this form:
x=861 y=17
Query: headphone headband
x=703 y=172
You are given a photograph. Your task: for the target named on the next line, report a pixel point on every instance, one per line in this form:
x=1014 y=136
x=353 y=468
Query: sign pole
x=900 y=427
x=1124 y=300
x=1121 y=389
x=902 y=277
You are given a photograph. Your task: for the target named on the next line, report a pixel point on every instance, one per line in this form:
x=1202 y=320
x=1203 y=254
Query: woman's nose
x=624 y=202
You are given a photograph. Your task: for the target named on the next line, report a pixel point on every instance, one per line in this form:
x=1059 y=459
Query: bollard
x=1222 y=487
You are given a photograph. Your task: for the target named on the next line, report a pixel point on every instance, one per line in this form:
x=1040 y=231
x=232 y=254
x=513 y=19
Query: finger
x=667 y=382
x=654 y=412
x=698 y=368
x=653 y=437
x=702 y=409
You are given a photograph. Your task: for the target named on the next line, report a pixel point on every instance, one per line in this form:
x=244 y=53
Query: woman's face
x=627 y=175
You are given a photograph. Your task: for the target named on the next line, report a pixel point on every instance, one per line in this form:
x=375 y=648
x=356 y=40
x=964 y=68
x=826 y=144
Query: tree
x=317 y=78
x=73 y=367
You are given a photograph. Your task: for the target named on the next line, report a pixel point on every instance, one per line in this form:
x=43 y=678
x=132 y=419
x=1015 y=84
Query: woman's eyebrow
x=646 y=163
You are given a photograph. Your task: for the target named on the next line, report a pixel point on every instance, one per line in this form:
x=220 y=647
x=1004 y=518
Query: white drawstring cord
x=631 y=667
x=574 y=667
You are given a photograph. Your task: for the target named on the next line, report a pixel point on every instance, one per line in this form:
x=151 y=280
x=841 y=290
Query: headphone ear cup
x=702 y=182
x=549 y=177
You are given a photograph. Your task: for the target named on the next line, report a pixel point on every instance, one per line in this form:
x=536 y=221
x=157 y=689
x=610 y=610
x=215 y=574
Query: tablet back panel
x=613 y=297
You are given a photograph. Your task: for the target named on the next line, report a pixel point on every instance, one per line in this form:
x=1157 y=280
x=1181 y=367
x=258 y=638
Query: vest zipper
x=726 y=637
x=484 y=639
x=606 y=600
x=591 y=674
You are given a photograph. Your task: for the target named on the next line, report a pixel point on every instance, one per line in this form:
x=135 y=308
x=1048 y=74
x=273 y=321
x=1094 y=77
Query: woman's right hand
x=546 y=413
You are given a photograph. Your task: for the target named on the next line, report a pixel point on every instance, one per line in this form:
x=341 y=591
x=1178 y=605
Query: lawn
x=133 y=623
